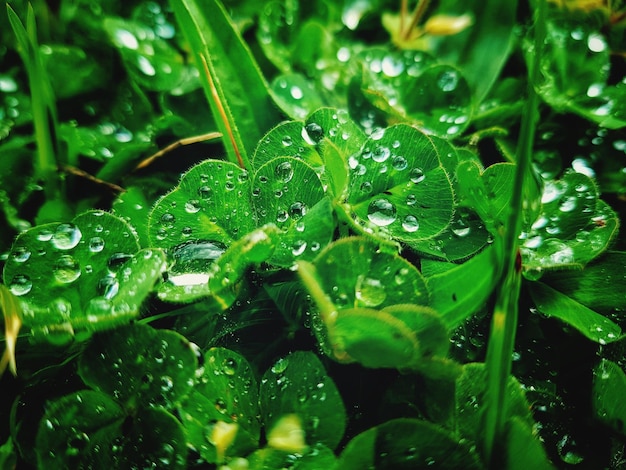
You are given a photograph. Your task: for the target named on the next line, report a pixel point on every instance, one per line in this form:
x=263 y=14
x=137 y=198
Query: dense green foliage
x=282 y=234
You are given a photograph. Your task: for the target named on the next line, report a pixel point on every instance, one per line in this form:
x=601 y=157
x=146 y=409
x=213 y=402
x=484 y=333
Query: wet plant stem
x=418 y=13
x=505 y=315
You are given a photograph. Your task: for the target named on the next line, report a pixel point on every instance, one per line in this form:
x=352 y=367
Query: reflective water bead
x=96 y=244
x=66 y=269
x=417 y=175
x=410 y=224
x=284 y=171
x=66 y=236
x=192 y=206
x=20 y=285
x=381 y=212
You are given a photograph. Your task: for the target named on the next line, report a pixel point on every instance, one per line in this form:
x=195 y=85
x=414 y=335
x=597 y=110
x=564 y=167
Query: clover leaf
x=82 y=276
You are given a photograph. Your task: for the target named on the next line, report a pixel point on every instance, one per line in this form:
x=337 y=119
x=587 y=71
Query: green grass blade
x=232 y=81
x=504 y=321
x=43 y=102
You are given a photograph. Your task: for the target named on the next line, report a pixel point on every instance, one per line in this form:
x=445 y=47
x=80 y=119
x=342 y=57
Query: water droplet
x=296 y=92
x=460 y=228
x=280 y=366
x=20 y=285
x=168 y=220
x=410 y=224
x=66 y=236
x=381 y=154
x=108 y=287
x=366 y=187
x=287 y=141
x=297 y=210
x=229 y=366
x=282 y=216
x=205 y=192
x=298 y=247
x=381 y=212
x=44 y=235
x=392 y=66
x=192 y=206
x=313 y=133
x=448 y=80
x=284 y=172
x=411 y=200
x=370 y=292
x=417 y=175
x=399 y=163
x=20 y=254
x=66 y=269
x=96 y=244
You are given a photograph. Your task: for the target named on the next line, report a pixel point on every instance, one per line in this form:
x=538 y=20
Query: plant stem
x=504 y=322
x=418 y=13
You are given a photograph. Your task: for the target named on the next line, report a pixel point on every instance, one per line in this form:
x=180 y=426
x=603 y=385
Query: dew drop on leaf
x=108 y=287
x=381 y=212
x=411 y=200
x=66 y=236
x=282 y=216
x=20 y=285
x=381 y=154
x=45 y=235
x=460 y=228
x=96 y=244
x=168 y=220
x=448 y=80
x=417 y=175
x=284 y=172
x=410 y=224
x=204 y=192
x=20 y=254
x=370 y=292
x=312 y=133
x=399 y=163
x=298 y=247
x=192 y=206
x=297 y=210
x=66 y=269
x=229 y=366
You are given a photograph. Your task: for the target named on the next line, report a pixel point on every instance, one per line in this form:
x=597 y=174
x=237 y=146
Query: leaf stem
x=505 y=315
x=418 y=13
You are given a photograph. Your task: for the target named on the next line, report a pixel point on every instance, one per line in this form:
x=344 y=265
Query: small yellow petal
x=288 y=434
x=447 y=25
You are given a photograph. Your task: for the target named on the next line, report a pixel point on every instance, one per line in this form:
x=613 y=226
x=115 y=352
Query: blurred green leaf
x=298 y=385
x=407 y=444
x=591 y=324
x=154 y=367
x=609 y=385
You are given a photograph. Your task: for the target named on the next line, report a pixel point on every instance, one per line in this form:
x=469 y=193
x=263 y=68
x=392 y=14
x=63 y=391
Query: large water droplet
x=410 y=224
x=370 y=292
x=448 y=80
x=20 y=254
x=381 y=154
x=381 y=212
x=192 y=206
x=20 y=285
x=417 y=175
x=108 y=286
x=284 y=172
x=66 y=269
x=96 y=244
x=312 y=133
x=66 y=236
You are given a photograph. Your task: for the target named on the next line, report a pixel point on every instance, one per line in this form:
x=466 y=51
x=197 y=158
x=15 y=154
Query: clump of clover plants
x=339 y=235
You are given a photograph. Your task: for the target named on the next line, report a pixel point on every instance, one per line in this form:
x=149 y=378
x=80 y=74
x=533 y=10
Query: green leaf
x=295 y=95
x=229 y=269
x=609 y=386
x=298 y=385
x=232 y=81
x=407 y=444
x=354 y=273
x=8 y=456
x=573 y=228
x=154 y=367
x=523 y=449
x=197 y=221
x=89 y=429
x=458 y=291
x=399 y=336
x=314 y=458
x=600 y=286
x=575 y=70
x=226 y=392
x=150 y=60
x=284 y=191
x=591 y=324
x=74 y=426
x=408 y=86
x=82 y=276
x=470 y=402
x=398 y=186
x=481 y=50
